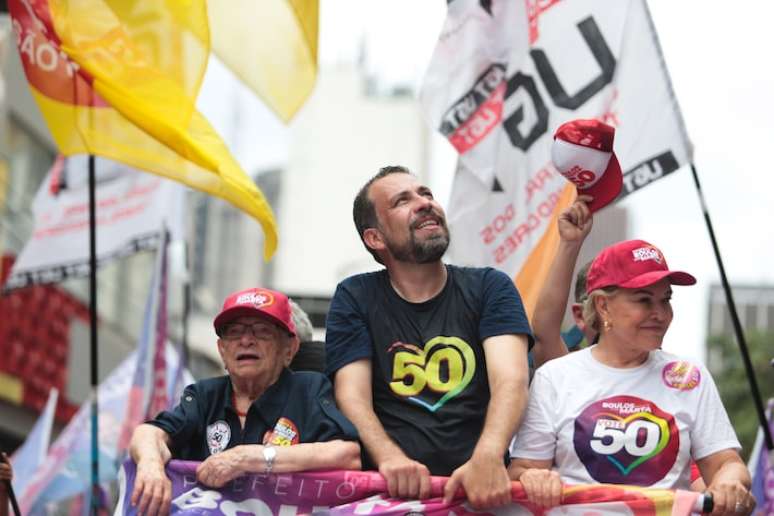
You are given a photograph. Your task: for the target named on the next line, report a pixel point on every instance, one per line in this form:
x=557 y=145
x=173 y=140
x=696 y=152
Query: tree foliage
x=727 y=367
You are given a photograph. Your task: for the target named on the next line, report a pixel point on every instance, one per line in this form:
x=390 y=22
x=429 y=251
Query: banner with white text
x=363 y=492
x=505 y=75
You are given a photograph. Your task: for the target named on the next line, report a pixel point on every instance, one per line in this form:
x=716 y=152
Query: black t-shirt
x=297 y=408
x=430 y=387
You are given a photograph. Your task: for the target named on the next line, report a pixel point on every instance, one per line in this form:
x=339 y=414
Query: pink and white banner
x=363 y=492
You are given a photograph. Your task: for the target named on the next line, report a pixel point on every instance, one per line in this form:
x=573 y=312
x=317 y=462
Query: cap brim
x=226 y=316
x=649 y=278
x=607 y=188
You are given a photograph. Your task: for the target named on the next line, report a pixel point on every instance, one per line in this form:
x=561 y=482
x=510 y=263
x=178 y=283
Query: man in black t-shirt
x=429 y=361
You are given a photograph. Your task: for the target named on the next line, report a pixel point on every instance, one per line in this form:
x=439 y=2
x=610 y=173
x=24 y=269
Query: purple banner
x=363 y=492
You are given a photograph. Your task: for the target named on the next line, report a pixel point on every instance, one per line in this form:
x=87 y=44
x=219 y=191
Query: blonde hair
x=590 y=316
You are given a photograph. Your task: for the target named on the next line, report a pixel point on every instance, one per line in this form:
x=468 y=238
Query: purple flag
x=762 y=469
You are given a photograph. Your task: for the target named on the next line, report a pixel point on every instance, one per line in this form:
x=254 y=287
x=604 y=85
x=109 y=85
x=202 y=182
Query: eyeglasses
x=261 y=331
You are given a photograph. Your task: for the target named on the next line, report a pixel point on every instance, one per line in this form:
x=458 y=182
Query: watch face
x=269 y=452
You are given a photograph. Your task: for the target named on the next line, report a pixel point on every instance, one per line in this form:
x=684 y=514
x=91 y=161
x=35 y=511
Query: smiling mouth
x=428 y=223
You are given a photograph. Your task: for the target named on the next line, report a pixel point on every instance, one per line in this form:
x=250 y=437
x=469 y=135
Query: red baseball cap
x=632 y=264
x=262 y=302
x=583 y=153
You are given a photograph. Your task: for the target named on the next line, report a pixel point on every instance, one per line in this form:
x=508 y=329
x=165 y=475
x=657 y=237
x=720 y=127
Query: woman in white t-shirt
x=623 y=411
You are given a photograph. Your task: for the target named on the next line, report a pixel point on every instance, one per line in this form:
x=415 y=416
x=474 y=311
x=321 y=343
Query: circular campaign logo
x=626 y=440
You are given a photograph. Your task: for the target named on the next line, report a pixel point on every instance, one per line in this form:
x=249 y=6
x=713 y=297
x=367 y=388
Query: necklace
x=233 y=402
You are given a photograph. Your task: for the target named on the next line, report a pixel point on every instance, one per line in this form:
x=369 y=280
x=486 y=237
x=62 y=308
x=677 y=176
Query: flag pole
x=186 y=306
x=94 y=499
x=12 y=498
x=9 y=488
x=738 y=331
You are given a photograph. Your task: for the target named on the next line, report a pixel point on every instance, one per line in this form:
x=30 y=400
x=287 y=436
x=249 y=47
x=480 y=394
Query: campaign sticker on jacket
x=626 y=440
x=218 y=436
x=285 y=433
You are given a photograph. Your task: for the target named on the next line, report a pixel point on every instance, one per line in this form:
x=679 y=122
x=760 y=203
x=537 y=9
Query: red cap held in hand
x=583 y=153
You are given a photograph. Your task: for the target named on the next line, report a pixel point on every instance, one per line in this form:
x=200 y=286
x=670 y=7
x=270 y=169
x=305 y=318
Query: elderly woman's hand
x=542 y=486
x=731 y=498
x=729 y=482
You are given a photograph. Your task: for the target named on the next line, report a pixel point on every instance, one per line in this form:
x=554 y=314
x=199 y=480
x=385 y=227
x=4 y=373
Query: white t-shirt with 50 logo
x=638 y=426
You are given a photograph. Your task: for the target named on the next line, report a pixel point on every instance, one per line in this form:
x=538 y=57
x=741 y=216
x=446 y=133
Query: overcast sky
x=719 y=57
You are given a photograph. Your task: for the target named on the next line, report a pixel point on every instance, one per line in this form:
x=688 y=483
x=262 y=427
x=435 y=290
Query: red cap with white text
x=583 y=153
x=632 y=264
x=261 y=302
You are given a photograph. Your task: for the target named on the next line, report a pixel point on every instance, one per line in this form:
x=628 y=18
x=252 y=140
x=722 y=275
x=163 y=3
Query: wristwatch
x=269 y=454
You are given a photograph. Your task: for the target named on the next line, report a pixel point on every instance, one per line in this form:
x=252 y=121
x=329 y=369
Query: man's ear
x=577 y=313
x=293 y=344
x=373 y=239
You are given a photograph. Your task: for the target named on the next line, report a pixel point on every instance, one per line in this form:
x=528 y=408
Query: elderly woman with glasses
x=623 y=411
x=259 y=418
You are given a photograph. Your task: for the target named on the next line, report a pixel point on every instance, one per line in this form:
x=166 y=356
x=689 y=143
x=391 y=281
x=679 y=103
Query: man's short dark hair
x=580 y=283
x=363 y=211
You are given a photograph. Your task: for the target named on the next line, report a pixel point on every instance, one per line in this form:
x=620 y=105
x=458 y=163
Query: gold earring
x=607 y=325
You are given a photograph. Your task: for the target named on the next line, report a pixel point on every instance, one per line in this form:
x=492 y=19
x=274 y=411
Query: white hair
x=302 y=322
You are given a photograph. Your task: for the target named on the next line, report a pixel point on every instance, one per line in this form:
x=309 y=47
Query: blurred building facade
x=755 y=308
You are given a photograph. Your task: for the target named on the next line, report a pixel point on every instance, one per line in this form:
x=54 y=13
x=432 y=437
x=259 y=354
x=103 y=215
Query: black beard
x=431 y=250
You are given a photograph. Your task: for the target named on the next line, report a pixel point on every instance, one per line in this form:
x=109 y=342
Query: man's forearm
x=506 y=361
x=300 y=457
x=149 y=444
x=552 y=304
x=372 y=434
x=504 y=412
x=352 y=388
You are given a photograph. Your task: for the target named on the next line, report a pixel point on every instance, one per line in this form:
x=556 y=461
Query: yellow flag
x=120 y=79
x=271 y=45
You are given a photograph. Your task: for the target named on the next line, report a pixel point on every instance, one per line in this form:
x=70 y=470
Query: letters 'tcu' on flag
x=119 y=79
x=503 y=77
x=270 y=46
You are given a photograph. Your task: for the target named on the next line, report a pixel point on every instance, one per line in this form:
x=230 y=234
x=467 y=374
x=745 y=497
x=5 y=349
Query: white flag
x=32 y=453
x=505 y=74
x=131 y=209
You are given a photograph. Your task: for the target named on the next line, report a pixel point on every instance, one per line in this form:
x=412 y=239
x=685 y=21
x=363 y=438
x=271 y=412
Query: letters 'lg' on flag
x=503 y=77
x=276 y=57
x=348 y=493
x=119 y=79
